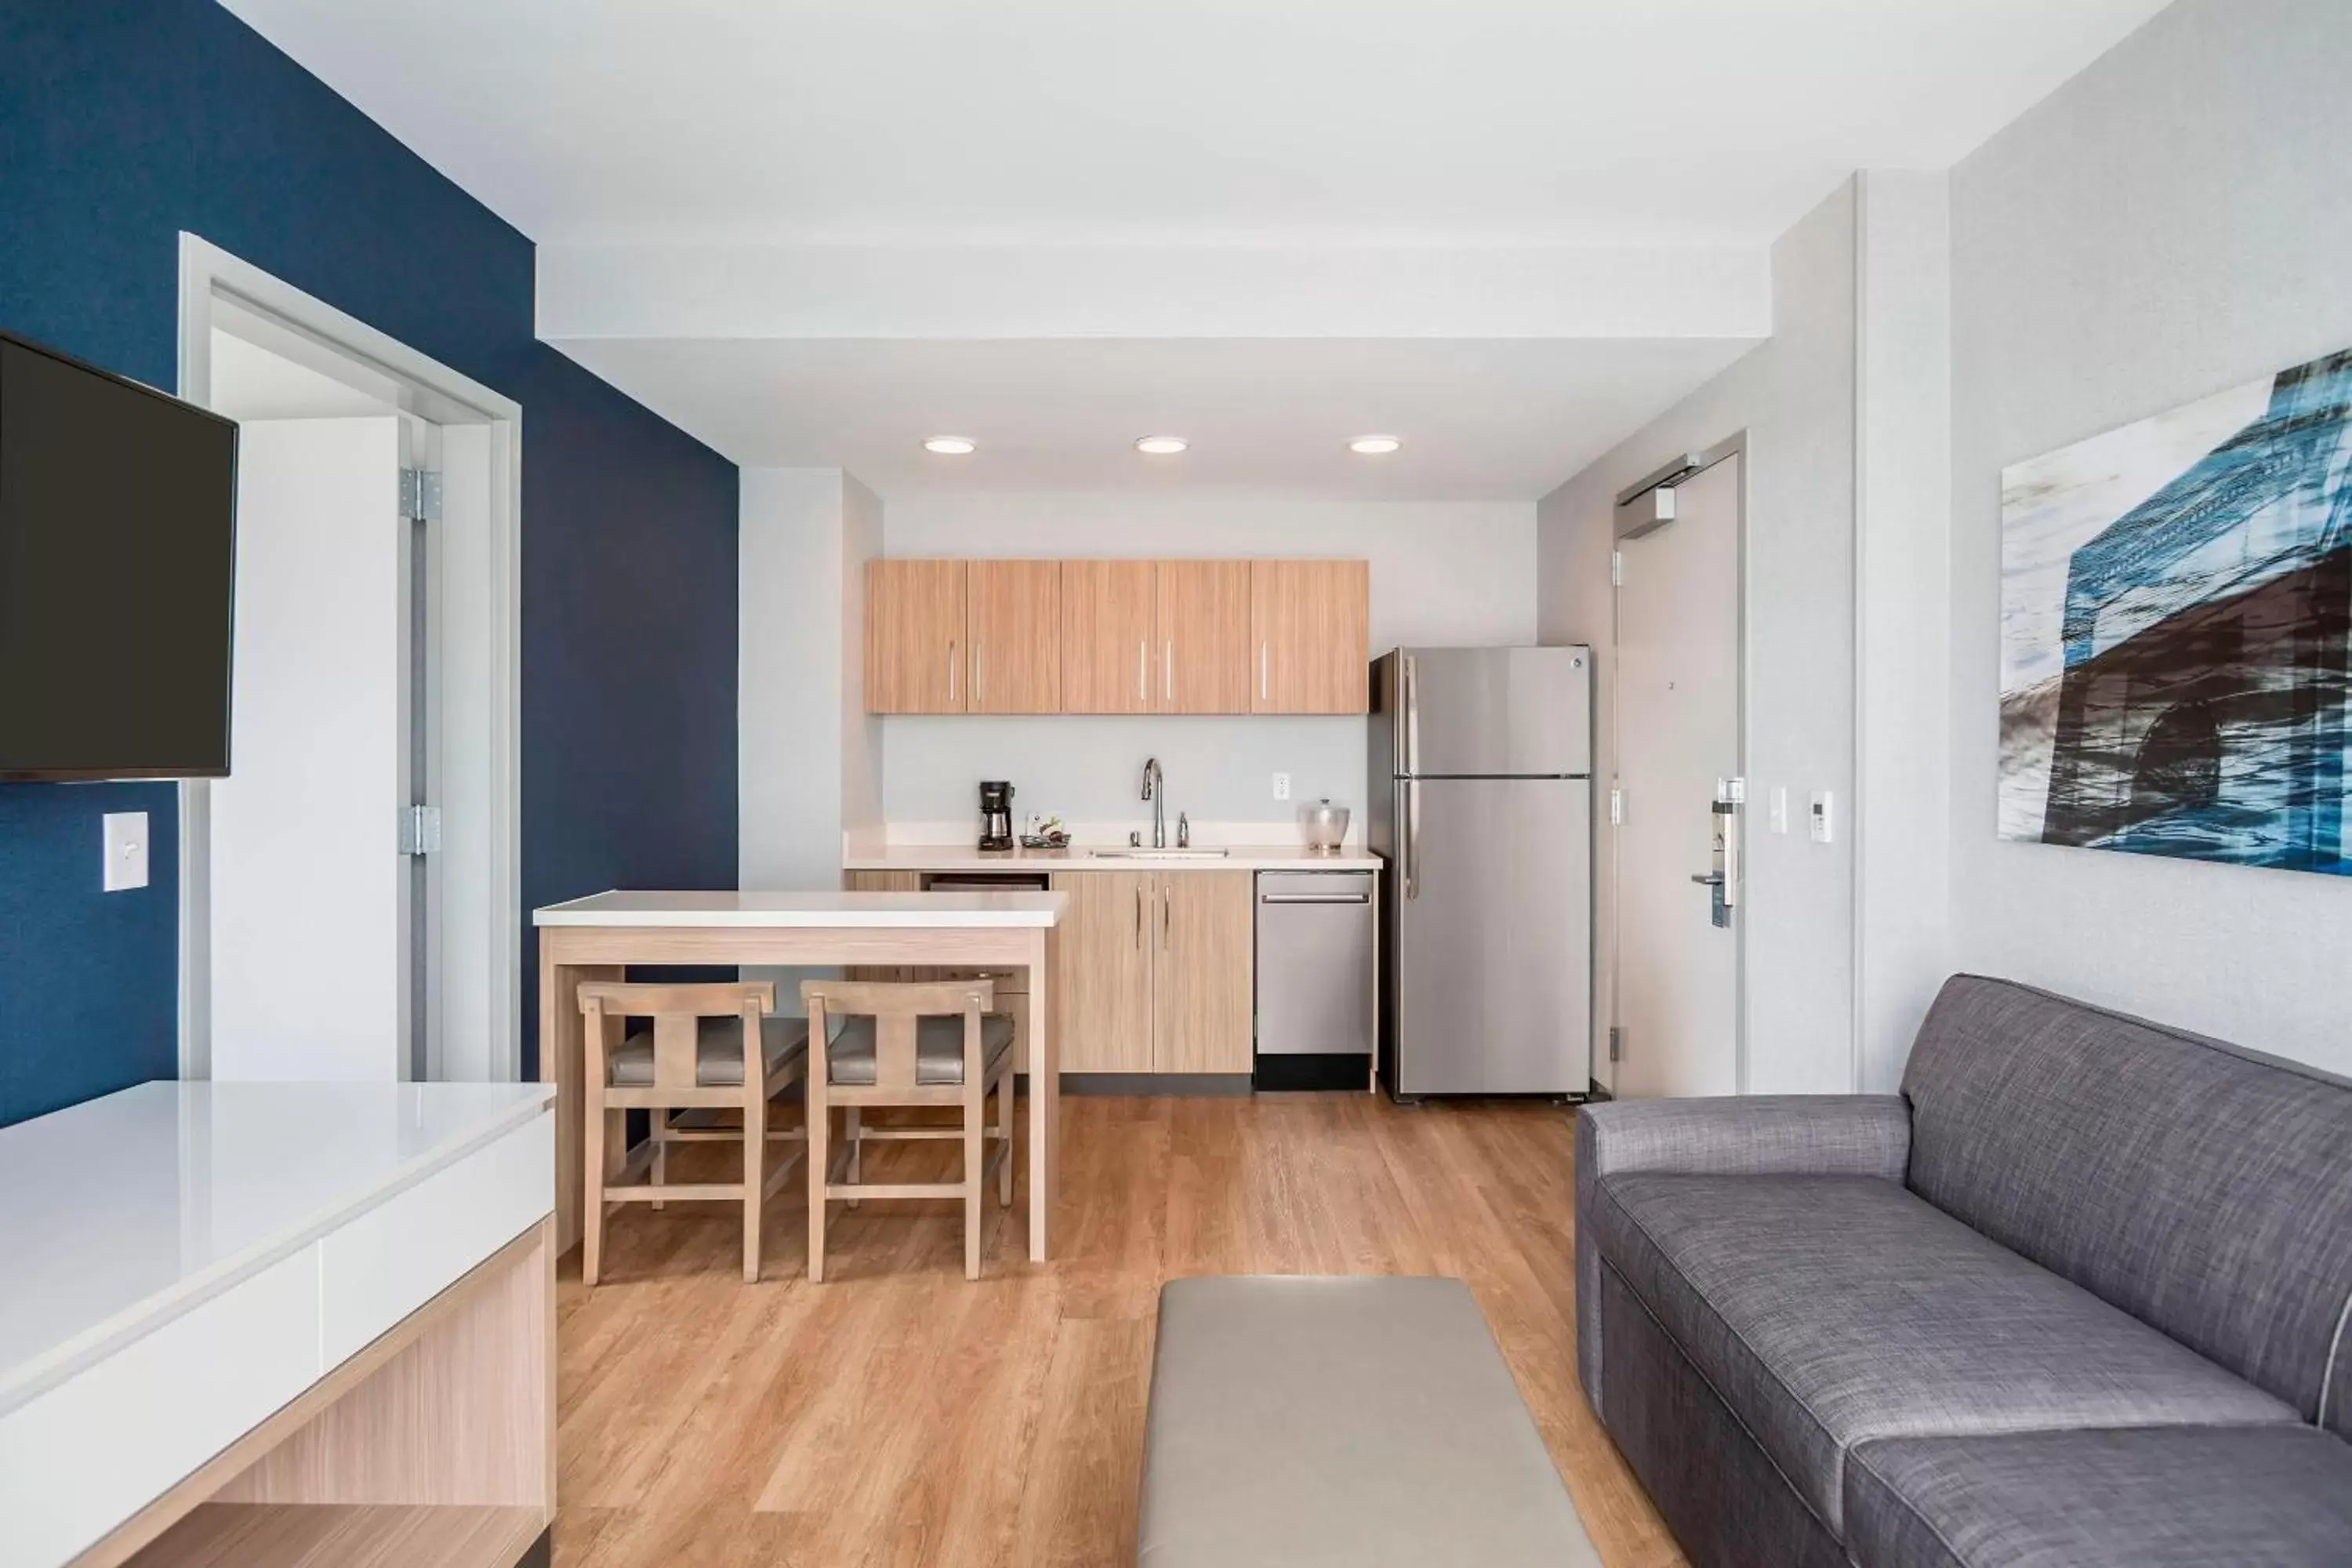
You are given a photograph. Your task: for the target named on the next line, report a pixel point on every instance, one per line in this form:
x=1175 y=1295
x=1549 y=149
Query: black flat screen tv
x=118 y=564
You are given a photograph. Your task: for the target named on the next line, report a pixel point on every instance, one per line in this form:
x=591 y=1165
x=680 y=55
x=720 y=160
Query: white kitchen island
x=599 y=937
x=269 y=1323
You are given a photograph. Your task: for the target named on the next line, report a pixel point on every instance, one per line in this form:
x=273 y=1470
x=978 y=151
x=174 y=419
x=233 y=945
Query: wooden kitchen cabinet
x=916 y=644
x=1155 y=973
x=1103 y=982
x=1309 y=636
x=1201 y=617
x=1015 y=626
x=1117 y=637
x=1111 y=662
x=1201 y=993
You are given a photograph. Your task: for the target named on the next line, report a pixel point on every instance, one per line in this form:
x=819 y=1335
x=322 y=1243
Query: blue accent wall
x=123 y=122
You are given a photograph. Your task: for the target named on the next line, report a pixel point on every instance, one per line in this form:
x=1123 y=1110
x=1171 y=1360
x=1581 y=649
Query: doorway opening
x=350 y=894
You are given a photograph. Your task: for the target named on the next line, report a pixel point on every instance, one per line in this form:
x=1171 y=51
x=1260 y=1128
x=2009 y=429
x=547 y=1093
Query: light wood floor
x=897 y=1414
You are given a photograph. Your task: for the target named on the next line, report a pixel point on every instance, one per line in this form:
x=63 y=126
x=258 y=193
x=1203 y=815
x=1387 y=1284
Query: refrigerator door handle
x=1410 y=736
x=1412 y=788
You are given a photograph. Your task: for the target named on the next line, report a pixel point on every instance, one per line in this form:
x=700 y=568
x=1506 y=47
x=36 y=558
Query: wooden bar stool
x=906 y=1046
x=711 y=1047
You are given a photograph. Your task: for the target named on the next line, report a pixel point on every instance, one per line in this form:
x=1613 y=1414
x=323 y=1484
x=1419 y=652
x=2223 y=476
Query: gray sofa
x=2078 y=1295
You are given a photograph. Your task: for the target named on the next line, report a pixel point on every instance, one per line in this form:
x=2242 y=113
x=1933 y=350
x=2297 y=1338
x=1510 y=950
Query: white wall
x=1441 y=573
x=1902 y=798
x=861 y=733
x=808 y=762
x=1794 y=397
x=793 y=661
x=2174 y=221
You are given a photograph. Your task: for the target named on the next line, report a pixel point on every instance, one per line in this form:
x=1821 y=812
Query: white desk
x=190 y=1264
x=596 y=938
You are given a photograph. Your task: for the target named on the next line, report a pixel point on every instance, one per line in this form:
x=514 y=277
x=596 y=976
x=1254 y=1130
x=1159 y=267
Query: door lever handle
x=1712 y=879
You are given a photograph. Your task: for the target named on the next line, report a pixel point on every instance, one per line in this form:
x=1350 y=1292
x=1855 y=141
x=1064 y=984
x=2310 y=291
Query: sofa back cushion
x=2204 y=1189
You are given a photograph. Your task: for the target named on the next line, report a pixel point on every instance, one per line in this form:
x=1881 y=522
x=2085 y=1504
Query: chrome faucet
x=1155 y=791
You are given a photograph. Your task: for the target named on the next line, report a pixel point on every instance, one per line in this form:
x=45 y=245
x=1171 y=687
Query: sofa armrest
x=1751 y=1135
x=1748 y=1135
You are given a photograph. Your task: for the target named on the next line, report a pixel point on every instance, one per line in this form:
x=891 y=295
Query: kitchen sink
x=1138 y=854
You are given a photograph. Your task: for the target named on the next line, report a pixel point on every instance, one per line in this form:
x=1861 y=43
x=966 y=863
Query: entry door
x=313 y=908
x=1678 y=682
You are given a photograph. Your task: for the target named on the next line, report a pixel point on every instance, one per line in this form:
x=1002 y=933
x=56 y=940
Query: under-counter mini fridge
x=1480 y=803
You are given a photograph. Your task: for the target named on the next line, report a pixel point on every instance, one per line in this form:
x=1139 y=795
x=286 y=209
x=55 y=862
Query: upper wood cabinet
x=1016 y=629
x=1202 y=616
x=1109 y=658
x=1117 y=637
x=915 y=641
x=1310 y=637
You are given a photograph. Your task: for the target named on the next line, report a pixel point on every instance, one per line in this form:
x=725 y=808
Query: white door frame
x=216 y=288
x=1687 y=467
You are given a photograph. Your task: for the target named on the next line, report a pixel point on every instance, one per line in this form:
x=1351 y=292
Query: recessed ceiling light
x=1374 y=445
x=951 y=446
x=1163 y=446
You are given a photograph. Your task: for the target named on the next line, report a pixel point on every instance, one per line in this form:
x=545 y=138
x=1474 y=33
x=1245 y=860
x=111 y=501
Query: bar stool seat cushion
x=717 y=1052
x=939 y=1049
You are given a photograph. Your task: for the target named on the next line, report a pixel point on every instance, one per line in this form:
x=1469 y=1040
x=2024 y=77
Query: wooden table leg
x=561 y=1050
x=1045 y=1099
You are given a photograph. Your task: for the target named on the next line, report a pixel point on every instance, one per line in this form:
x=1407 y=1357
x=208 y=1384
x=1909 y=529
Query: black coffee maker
x=995 y=814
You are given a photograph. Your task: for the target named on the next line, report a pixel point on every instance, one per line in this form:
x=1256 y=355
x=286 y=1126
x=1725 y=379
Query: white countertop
x=126 y=1210
x=1237 y=858
x=827 y=911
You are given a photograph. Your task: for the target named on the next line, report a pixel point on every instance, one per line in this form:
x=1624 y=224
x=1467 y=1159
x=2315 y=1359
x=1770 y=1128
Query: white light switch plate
x=1779 y=808
x=126 y=850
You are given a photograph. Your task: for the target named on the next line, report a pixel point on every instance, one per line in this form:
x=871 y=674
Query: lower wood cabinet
x=1110 y=935
x=1154 y=974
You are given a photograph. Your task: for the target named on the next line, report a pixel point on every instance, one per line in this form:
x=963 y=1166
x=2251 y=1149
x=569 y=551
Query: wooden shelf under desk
x=351 y=1535
x=434 y=1444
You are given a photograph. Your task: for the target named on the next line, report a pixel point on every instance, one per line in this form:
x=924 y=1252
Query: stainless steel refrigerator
x=1481 y=804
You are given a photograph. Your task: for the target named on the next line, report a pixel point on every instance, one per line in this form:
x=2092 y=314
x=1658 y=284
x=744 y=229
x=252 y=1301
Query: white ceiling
x=812 y=232
x=1396 y=121
x=1496 y=420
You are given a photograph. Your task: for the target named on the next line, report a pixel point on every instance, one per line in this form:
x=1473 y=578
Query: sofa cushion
x=1828 y=1311
x=2177 y=1496
x=2203 y=1188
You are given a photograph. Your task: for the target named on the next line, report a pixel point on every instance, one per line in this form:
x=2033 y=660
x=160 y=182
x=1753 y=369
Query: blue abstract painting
x=2177 y=631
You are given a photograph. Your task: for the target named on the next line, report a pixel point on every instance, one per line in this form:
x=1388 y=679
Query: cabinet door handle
x=1139 y=917
x=1142 y=671
x=1168 y=675
x=1167 y=900
x=1264 y=693
x=954 y=663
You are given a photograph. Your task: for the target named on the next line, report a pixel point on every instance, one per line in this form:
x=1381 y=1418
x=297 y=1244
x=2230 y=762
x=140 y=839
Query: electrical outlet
x=1282 y=786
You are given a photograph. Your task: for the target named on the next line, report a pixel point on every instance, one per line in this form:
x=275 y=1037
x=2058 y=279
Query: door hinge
x=1616 y=809
x=420 y=495
x=420 y=830
x=1616 y=568
x=1616 y=1043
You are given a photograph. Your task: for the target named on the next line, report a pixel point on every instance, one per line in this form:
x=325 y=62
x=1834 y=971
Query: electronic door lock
x=1723 y=881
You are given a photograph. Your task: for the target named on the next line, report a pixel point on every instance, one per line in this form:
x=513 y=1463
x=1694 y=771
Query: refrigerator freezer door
x=1495 y=711
x=1494 y=954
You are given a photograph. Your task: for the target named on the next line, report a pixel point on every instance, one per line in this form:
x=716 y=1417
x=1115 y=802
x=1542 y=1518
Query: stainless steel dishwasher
x=1315 y=1014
